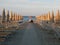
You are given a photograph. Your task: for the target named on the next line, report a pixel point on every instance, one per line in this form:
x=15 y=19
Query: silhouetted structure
x=14 y=17
x=52 y=17
x=57 y=18
x=11 y=16
x=7 y=16
x=3 y=16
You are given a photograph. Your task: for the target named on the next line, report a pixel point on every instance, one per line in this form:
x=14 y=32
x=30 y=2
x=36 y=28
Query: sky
x=30 y=7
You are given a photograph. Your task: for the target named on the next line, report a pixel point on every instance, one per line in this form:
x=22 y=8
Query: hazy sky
x=30 y=7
